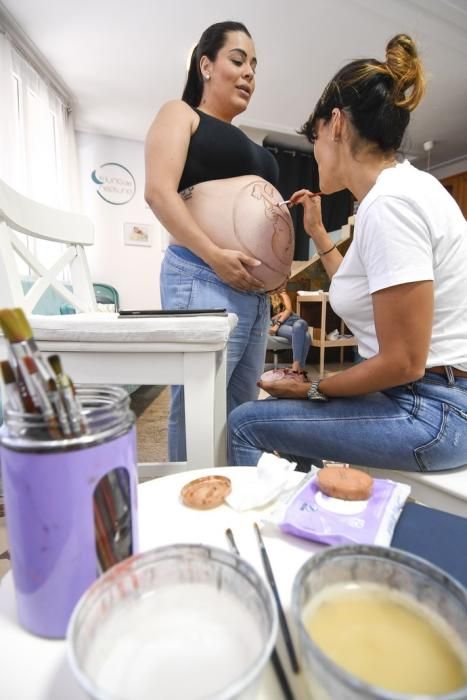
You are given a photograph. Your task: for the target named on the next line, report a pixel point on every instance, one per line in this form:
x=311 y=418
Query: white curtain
x=41 y=159
x=37 y=140
x=9 y=160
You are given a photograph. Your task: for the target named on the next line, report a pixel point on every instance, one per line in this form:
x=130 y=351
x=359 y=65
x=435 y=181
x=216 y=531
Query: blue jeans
x=186 y=284
x=295 y=329
x=415 y=427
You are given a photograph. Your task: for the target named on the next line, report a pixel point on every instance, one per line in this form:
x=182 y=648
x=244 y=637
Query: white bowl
x=182 y=622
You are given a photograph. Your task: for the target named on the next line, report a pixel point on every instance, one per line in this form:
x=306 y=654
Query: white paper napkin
x=263 y=486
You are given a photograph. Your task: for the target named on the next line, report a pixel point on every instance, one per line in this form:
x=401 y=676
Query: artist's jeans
x=415 y=427
x=185 y=285
x=295 y=329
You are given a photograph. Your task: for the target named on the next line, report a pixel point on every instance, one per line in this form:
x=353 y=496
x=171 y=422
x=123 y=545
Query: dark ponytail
x=194 y=83
x=212 y=40
x=378 y=97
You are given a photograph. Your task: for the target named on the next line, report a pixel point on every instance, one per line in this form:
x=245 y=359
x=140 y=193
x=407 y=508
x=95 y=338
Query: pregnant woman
x=213 y=189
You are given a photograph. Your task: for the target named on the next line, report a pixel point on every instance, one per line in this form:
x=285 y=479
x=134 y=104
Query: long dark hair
x=210 y=43
x=374 y=95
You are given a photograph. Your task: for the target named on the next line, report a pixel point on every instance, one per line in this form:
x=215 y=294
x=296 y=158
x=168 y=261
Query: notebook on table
x=439 y=537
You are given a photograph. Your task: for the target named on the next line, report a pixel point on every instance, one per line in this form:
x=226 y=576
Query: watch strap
x=314 y=394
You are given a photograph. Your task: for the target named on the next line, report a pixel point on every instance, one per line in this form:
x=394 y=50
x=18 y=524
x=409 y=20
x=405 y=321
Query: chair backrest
x=20 y=215
x=106 y=294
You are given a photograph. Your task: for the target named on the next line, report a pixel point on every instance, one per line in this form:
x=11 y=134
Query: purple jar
x=70 y=504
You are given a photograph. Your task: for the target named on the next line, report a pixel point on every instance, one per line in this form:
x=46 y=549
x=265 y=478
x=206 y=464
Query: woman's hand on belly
x=231 y=266
x=241 y=216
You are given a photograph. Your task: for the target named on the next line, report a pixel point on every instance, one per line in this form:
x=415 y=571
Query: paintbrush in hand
x=292 y=204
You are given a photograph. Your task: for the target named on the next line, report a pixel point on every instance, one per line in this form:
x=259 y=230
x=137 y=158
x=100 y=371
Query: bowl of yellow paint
x=377 y=623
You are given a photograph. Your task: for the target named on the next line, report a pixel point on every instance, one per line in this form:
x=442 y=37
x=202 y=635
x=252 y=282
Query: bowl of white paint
x=181 y=622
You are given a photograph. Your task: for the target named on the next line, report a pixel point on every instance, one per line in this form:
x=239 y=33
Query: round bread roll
x=243 y=213
x=346 y=483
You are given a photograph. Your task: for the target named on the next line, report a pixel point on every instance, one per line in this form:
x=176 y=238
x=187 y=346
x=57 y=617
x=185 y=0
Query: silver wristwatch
x=314 y=394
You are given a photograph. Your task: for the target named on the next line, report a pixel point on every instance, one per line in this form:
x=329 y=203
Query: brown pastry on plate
x=345 y=482
x=206 y=492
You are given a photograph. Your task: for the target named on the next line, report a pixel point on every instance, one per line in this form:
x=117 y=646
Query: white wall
x=132 y=269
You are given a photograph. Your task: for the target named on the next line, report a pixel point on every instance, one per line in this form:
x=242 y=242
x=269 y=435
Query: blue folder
x=439 y=537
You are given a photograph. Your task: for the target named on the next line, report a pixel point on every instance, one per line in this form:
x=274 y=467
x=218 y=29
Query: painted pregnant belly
x=264 y=230
x=242 y=214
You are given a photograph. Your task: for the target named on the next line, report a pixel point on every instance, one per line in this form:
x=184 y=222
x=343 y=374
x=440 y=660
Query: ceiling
x=121 y=60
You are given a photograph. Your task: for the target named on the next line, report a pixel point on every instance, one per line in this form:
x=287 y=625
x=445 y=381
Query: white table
x=100 y=348
x=32 y=668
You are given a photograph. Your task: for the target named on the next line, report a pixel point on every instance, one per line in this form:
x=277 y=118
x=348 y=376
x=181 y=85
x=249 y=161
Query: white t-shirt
x=408 y=228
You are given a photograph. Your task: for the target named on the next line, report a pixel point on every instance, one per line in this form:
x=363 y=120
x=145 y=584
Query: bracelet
x=321 y=255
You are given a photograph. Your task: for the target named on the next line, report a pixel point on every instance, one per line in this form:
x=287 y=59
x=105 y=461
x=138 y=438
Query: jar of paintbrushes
x=69 y=471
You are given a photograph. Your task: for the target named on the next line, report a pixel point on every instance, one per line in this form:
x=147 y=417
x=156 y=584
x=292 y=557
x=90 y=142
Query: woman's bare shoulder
x=177 y=112
x=178 y=107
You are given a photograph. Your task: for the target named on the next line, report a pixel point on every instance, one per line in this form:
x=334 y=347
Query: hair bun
x=405 y=68
x=404 y=42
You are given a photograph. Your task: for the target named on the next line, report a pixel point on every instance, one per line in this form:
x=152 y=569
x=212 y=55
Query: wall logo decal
x=115 y=183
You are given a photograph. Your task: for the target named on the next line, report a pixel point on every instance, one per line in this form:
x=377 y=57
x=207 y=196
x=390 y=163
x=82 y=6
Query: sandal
x=273 y=375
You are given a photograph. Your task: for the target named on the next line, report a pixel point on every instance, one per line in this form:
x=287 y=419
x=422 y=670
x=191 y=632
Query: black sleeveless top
x=219 y=150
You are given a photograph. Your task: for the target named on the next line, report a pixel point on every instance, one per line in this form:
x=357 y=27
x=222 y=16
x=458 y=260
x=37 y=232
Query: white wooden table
x=101 y=349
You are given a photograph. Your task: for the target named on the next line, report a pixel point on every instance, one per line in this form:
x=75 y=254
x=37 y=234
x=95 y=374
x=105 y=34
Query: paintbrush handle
x=72 y=409
x=281 y=677
x=280 y=610
x=275 y=658
x=231 y=541
x=59 y=409
x=289 y=201
x=13 y=397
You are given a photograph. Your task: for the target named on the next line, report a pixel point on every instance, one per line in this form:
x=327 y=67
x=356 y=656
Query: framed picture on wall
x=137 y=234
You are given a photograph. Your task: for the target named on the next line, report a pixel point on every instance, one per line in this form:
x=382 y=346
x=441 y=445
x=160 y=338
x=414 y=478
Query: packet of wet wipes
x=307 y=512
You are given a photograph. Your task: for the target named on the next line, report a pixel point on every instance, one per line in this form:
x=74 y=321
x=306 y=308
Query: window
x=37 y=144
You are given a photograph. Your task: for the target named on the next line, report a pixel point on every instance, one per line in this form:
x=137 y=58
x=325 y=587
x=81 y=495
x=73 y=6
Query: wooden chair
x=98 y=347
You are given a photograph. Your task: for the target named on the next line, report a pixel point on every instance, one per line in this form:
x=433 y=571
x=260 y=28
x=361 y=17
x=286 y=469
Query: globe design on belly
x=264 y=231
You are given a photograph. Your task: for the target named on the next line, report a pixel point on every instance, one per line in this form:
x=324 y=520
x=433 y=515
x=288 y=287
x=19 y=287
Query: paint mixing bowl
x=182 y=622
x=377 y=623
